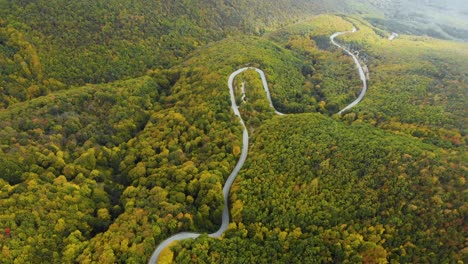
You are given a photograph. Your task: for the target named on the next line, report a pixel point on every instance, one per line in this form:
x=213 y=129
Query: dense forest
x=79 y=42
x=116 y=132
x=314 y=191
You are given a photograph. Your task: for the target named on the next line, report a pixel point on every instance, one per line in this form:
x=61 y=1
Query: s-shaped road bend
x=245 y=146
x=360 y=69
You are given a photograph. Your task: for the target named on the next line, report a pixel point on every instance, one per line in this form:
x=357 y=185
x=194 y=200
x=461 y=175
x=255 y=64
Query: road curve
x=245 y=148
x=360 y=69
x=393 y=36
x=232 y=176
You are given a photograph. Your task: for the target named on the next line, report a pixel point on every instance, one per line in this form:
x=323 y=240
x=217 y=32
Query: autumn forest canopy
x=116 y=131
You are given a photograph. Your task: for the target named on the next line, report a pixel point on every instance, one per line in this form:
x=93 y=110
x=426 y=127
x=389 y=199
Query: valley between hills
x=118 y=131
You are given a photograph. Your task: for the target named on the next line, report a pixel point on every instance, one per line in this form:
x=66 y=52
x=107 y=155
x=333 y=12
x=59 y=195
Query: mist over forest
x=445 y=19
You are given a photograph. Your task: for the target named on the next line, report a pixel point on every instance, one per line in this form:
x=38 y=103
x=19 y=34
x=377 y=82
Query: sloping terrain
x=116 y=132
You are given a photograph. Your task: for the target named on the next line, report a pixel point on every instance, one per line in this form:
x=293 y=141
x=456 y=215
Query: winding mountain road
x=362 y=75
x=245 y=147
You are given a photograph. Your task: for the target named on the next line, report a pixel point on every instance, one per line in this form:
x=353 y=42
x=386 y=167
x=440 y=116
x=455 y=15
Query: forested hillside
x=49 y=43
x=419 y=86
x=116 y=132
x=317 y=190
x=156 y=149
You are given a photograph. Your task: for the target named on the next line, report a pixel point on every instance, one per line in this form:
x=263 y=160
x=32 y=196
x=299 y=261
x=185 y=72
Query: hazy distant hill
x=436 y=18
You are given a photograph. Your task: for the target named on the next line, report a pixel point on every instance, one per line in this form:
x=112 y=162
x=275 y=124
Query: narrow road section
x=245 y=148
x=362 y=75
x=393 y=36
